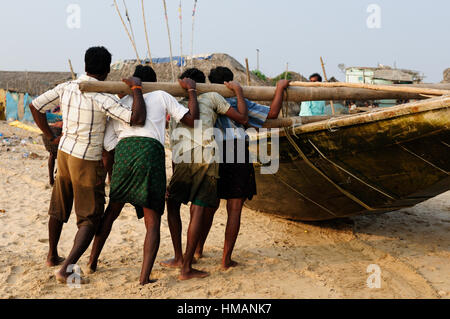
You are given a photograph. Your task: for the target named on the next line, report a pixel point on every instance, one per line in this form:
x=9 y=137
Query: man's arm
x=241 y=114
x=190 y=117
x=139 y=109
x=277 y=101
x=42 y=123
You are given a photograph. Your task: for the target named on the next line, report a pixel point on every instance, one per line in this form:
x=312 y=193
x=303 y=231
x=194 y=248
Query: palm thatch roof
x=123 y=69
x=33 y=83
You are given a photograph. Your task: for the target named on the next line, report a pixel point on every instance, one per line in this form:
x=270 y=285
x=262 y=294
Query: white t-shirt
x=159 y=104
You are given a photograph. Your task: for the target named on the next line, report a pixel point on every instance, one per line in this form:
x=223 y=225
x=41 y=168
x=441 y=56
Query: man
x=310 y=108
x=195 y=180
x=237 y=180
x=139 y=172
x=80 y=177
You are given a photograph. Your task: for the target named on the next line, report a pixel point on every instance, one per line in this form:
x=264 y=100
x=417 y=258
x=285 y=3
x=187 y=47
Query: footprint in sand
x=14 y=274
x=43 y=240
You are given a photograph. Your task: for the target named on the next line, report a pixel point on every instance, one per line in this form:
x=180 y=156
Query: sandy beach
x=277 y=258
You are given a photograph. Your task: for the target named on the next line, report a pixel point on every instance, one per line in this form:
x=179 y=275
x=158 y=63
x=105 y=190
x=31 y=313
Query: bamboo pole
x=260 y=93
x=146 y=33
x=192 y=35
x=128 y=33
x=248 y=72
x=375 y=87
x=129 y=22
x=170 y=40
x=181 y=36
x=326 y=80
x=74 y=77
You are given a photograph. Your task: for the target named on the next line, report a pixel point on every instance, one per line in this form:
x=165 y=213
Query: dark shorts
x=194 y=183
x=139 y=174
x=80 y=183
x=236 y=180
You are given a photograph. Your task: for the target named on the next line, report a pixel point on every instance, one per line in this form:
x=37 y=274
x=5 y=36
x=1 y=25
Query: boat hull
x=376 y=166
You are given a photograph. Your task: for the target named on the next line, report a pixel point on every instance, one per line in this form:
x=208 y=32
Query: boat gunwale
x=380 y=114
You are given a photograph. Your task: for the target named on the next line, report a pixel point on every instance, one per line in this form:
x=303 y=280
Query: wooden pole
x=375 y=87
x=326 y=80
x=181 y=36
x=74 y=77
x=146 y=33
x=261 y=93
x=248 y=72
x=194 y=11
x=129 y=22
x=128 y=33
x=170 y=40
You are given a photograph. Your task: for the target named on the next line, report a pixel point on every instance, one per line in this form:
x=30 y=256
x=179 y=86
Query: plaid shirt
x=257 y=115
x=84 y=117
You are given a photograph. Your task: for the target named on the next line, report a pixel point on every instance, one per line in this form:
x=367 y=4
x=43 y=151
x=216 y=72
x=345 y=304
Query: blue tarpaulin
x=12 y=101
x=27 y=116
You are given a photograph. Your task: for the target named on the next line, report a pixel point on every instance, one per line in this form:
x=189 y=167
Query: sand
x=277 y=258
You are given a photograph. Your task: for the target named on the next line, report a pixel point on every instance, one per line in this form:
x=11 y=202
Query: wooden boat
x=379 y=161
x=372 y=162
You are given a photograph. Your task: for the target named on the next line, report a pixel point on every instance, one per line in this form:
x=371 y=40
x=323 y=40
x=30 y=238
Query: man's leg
x=112 y=212
x=59 y=210
x=234 y=210
x=208 y=219
x=151 y=244
x=54 y=233
x=175 y=227
x=82 y=240
x=193 y=236
x=51 y=169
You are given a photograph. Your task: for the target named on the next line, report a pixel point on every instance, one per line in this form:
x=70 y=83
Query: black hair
x=97 y=61
x=194 y=74
x=145 y=73
x=220 y=75
x=316 y=75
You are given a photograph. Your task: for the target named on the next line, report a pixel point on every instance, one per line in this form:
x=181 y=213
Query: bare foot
x=91 y=268
x=228 y=265
x=172 y=263
x=193 y=273
x=62 y=279
x=148 y=281
x=198 y=255
x=53 y=261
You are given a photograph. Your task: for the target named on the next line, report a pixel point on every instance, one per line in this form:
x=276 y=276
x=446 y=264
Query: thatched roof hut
x=204 y=63
x=33 y=83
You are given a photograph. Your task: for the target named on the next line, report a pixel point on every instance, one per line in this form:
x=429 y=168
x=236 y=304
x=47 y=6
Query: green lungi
x=139 y=174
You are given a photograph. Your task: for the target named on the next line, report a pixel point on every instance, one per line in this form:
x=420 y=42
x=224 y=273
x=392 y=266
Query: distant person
x=80 y=180
x=196 y=181
x=237 y=181
x=311 y=108
x=139 y=171
x=52 y=150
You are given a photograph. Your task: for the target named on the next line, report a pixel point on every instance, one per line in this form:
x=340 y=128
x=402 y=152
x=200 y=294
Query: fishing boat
x=379 y=161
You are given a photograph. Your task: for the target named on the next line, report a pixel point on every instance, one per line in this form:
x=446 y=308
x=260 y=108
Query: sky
x=409 y=34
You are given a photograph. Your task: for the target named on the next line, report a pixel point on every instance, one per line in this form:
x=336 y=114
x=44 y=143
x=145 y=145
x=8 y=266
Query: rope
x=170 y=40
x=349 y=173
x=421 y=158
x=128 y=33
x=146 y=34
x=181 y=35
x=307 y=161
x=192 y=38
